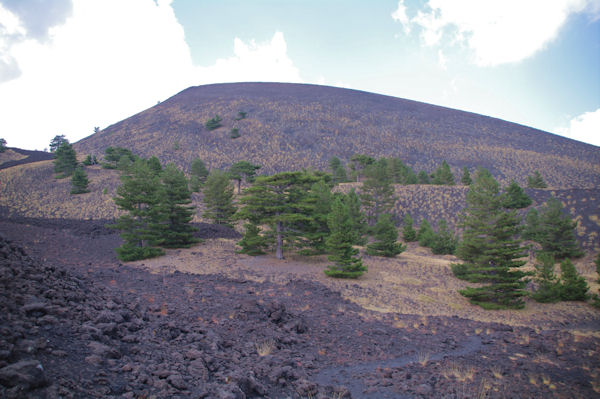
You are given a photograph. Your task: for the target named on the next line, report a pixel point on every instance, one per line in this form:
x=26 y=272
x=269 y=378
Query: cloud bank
x=100 y=61
x=497 y=32
x=585 y=127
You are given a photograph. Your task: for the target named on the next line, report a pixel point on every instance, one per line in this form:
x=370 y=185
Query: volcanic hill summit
x=284 y=126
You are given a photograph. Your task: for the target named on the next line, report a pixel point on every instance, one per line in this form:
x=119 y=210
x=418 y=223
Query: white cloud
x=400 y=15
x=497 y=32
x=585 y=127
x=109 y=60
x=442 y=60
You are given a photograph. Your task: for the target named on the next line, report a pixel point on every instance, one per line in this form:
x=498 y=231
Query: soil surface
x=76 y=323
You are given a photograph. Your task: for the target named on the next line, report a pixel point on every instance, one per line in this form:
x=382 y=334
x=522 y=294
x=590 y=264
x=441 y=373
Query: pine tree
x=357 y=217
x=548 y=289
x=490 y=248
x=515 y=197
x=338 y=171
x=377 y=194
x=573 y=286
x=57 y=141
x=280 y=201
x=443 y=175
x=425 y=235
x=79 y=181
x=118 y=158
x=243 y=170
x=409 y=234
x=386 y=237
x=358 y=163
x=198 y=175
x=596 y=297
x=466 y=177
x=218 y=198
x=531 y=230
x=557 y=231
x=2 y=145
x=423 y=177
x=444 y=242
x=65 y=160
x=139 y=195
x=536 y=181
x=174 y=213
x=339 y=244
x=252 y=242
x=316 y=229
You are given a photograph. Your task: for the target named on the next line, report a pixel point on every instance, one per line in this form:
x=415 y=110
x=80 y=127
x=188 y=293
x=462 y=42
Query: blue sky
x=84 y=63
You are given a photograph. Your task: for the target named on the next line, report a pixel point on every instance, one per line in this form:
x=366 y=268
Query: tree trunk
x=239 y=186
x=279 y=251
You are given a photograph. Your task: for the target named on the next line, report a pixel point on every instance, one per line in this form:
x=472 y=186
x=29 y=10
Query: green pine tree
x=536 y=181
x=557 y=231
x=357 y=217
x=339 y=244
x=280 y=201
x=548 y=285
x=425 y=235
x=444 y=241
x=386 y=237
x=2 y=145
x=65 y=160
x=57 y=141
x=316 y=229
x=515 y=197
x=242 y=170
x=423 y=177
x=79 y=181
x=377 y=196
x=466 y=177
x=252 y=242
x=532 y=229
x=338 y=171
x=573 y=286
x=198 y=175
x=409 y=234
x=175 y=212
x=443 y=175
x=490 y=248
x=358 y=163
x=139 y=195
x=218 y=198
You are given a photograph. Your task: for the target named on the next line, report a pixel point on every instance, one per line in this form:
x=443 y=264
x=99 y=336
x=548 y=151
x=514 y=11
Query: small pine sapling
x=386 y=236
x=573 y=286
x=548 y=289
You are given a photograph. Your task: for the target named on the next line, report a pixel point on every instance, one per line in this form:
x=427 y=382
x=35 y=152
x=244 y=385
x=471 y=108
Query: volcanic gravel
x=76 y=323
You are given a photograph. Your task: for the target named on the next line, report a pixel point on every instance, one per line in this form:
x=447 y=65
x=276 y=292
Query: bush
x=234 y=133
x=213 y=123
x=549 y=289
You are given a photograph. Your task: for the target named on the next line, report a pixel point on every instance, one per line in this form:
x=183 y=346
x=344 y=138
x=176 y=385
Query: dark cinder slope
x=291 y=126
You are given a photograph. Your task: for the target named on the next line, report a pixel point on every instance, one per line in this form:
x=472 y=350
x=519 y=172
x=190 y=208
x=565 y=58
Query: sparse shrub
x=213 y=123
x=234 y=133
x=176 y=146
x=118 y=158
x=88 y=160
x=573 y=286
x=241 y=115
x=386 y=236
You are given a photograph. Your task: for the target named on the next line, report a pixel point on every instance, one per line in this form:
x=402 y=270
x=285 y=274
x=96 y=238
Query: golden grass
x=415 y=282
x=265 y=348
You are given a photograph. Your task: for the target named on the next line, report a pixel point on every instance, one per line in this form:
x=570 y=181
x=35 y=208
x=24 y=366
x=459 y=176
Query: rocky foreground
x=74 y=323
